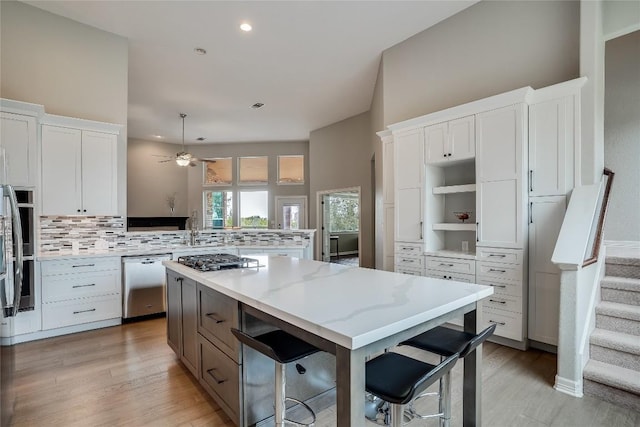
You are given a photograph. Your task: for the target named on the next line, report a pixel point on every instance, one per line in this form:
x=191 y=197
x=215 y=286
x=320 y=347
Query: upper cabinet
x=450 y=141
x=18 y=140
x=79 y=171
x=500 y=162
x=409 y=186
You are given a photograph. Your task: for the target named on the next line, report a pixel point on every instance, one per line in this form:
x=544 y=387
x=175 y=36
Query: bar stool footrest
x=305 y=406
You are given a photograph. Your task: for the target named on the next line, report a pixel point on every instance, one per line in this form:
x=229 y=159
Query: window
x=253 y=170
x=218 y=209
x=254 y=208
x=218 y=172
x=343 y=211
x=290 y=169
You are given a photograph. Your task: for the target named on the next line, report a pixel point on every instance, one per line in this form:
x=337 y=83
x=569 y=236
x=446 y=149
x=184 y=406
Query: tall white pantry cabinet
x=480 y=194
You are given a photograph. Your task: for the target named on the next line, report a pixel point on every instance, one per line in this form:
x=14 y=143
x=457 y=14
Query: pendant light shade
x=183 y=158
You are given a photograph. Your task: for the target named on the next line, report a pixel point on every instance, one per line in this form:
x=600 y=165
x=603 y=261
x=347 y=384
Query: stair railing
x=579 y=255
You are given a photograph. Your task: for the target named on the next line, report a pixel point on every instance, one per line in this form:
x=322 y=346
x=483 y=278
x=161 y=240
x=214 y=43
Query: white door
x=291 y=212
x=99 y=173
x=435 y=142
x=18 y=138
x=409 y=159
x=462 y=139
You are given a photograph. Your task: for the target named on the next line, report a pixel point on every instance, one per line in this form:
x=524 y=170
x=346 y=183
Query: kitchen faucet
x=193 y=227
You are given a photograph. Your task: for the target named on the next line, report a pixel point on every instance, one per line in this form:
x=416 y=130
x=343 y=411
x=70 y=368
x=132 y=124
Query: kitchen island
x=349 y=312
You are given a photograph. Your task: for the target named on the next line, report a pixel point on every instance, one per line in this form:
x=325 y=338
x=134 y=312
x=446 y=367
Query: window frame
x=239 y=204
x=278 y=179
x=215 y=184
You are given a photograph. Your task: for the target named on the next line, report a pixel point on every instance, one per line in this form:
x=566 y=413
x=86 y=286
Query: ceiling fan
x=183 y=158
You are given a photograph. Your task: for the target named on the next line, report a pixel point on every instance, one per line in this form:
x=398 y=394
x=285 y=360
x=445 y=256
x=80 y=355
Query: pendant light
x=183 y=158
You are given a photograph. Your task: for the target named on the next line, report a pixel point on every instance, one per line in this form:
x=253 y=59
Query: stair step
x=622 y=266
x=616 y=348
x=614 y=316
x=612 y=383
x=623 y=290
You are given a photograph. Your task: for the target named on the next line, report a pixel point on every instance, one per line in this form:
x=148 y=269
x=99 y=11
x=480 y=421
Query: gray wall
x=489 y=48
x=377 y=124
x=70 y=68
x=340 y=157
x=151 y=182
x=622 y=136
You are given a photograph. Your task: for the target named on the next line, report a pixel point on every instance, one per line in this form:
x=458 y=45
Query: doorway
x=291 y=212
x=339 y=221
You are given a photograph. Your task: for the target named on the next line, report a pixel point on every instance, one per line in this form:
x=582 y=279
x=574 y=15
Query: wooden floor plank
x=128 y=376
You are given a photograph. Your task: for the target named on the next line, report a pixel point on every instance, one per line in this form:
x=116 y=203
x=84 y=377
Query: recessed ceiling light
x=158 y=136
x=257 y=105
x=200 y=51
x=202 y=138
x=245 y=26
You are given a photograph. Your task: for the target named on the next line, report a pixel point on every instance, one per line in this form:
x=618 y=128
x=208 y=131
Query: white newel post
x=569 y=376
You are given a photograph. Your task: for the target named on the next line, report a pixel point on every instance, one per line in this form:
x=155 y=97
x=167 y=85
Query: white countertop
x=155 y=250
x=350 y=306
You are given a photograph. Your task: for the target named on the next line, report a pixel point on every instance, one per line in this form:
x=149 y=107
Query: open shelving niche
x=449 y=189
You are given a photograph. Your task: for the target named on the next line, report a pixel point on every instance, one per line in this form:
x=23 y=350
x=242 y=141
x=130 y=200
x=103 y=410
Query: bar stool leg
x=281 y=385
x=397 y=415
x=445 y=400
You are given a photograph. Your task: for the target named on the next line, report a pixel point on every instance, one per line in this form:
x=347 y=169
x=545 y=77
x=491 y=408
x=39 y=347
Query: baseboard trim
x=570 y=387
x=17 y=339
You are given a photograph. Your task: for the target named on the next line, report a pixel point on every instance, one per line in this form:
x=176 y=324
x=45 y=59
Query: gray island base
x=348 y=312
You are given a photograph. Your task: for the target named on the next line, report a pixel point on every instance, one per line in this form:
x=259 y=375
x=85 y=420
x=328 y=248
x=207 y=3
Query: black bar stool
x=283 y=348
x=397 y=379
x=446 y=342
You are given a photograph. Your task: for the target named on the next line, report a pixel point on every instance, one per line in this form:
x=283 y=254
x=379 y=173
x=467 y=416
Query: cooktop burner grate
x=214 y=262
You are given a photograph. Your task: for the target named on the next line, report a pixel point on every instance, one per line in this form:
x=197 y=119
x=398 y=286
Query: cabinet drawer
x=406 y=270
x=503 y=302
x=66 y=287
x=84 y=310
x=509 y=325
x=459 y=277
x=50 y=268
x=410 y=261
x=410 y=249
x=221 y=377
x=217 y=315
x=502 y=288
x=498 y=271
x=506 y=256
x=451 y=265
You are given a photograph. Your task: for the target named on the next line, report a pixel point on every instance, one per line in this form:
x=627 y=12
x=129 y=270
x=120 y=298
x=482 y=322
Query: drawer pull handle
x=446 y=265
x=179 y=279
x=213 y=317
x=497 y=255
x=210 y=372
x=84 y=311
x=498 y=301
x=408 y=260
x=83 y=286
x=493 y=270
x=83 y=265
x=497 y=323
x=498 y=286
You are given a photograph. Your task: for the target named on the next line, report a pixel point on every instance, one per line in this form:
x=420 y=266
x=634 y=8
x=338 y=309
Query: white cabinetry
x=272 y=251
x=388 y=201
x=409 y=258
x=450 y=141
x=79 y=171
x=501 y=203
x=18 y=139
x=409 y=186
x=80 y=291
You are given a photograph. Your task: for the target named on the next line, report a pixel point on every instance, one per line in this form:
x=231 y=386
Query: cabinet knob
x=444 y=155
x=78 y=210
x=449 y=154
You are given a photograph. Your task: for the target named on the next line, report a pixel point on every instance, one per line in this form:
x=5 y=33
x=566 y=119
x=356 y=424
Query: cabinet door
x=189 y=354
x=18 y=138
x=436 y=146
x=61 y=171
x=551 y=147
x=387 y=172
x=462 y=138
x=99 y=173
x=409 y=159
x=500 y=199
x=388 y=247
x=174 y=312
x=408 y=216
x=546 y=216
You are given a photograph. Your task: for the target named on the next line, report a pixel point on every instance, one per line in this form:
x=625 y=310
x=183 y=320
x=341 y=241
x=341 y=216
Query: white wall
x=377 y=123
x=341 y=158
x=70 y=68
x=622 y=136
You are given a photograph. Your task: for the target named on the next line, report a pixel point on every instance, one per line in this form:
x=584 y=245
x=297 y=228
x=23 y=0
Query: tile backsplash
x=59 y=234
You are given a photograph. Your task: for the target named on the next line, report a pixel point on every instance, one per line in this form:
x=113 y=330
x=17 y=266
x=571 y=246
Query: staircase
x=613 y=372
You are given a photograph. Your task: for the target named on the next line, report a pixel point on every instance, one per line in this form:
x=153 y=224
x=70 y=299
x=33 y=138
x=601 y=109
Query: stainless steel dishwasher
x=143 y=285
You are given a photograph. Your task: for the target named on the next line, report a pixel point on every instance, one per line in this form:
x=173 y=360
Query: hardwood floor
x=128 y=376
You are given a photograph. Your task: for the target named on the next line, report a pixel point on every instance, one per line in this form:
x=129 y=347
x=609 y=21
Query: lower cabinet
x=80 y=291
x=182 y=319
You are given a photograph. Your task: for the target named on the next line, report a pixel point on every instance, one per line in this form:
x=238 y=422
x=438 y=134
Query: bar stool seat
x=397 y=379
x=283 y=348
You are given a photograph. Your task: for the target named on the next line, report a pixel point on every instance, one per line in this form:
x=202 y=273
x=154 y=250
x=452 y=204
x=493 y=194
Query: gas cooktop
x=214 y=262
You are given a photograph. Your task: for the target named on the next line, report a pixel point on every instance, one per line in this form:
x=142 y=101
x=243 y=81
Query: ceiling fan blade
x=165 y=161
x=161 y=155
x=192 y=163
